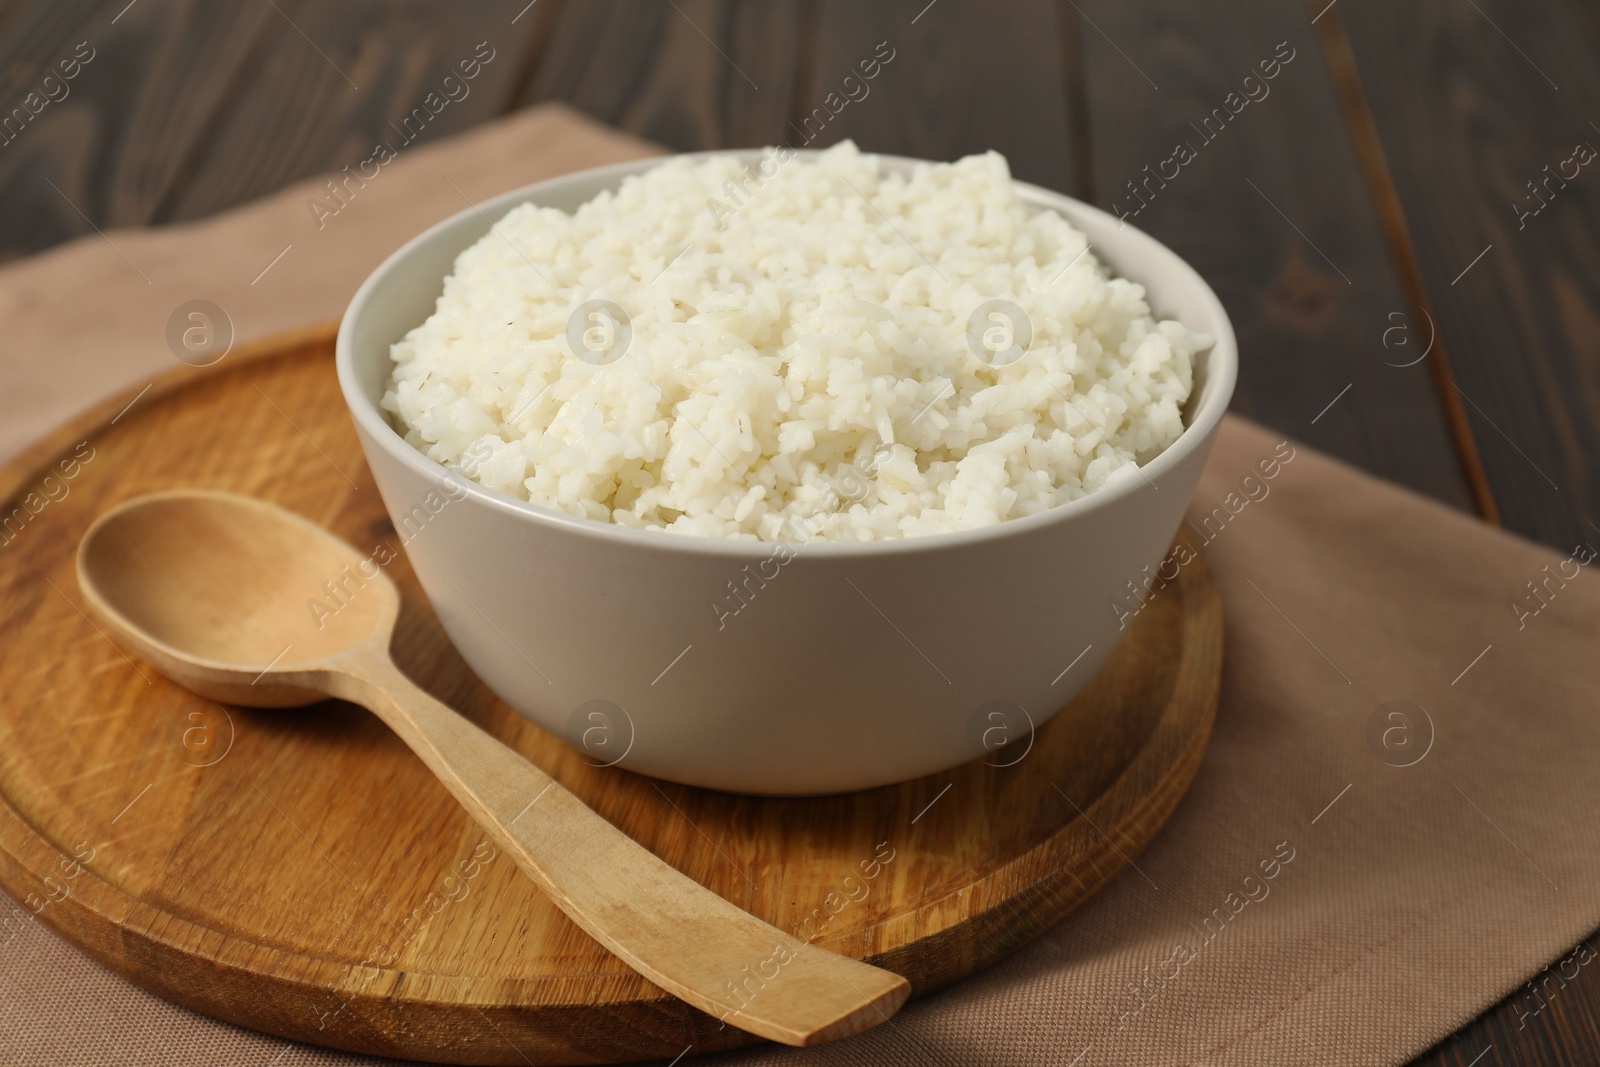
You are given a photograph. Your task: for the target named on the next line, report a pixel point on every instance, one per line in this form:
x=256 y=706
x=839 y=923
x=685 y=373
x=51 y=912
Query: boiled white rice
x=799 y=364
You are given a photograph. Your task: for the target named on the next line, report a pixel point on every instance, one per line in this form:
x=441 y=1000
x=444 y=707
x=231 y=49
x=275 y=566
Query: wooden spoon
x=212 y=589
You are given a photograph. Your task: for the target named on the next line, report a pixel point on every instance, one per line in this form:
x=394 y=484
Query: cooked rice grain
x=799 y=364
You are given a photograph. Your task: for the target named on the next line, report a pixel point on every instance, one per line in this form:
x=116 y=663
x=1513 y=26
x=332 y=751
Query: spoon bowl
x=226 y=593
x=246 y=603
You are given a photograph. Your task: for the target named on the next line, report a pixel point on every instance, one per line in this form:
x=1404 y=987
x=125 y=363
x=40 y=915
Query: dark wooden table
x=1407 y=182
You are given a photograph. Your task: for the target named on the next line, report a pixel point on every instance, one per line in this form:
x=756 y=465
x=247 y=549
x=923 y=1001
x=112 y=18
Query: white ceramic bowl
x=852 y=665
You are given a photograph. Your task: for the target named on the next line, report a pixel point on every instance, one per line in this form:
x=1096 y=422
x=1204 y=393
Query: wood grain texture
x=1518 y=86
x=301 y=872
x=692 y=75
x=1273 y=213
x=331 y=82
x=966 y=77
x=148 y=120
x=62 y=142
x=1390 y=211
x=207 y=586
x=189 y=107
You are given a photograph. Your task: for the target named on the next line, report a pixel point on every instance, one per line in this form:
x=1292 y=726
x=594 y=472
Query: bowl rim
x=1222 y=365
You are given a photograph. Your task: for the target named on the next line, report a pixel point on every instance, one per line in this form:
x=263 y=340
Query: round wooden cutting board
x=299 y=872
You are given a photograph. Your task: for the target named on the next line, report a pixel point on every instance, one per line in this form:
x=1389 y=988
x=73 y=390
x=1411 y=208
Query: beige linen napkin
x=1392 y=829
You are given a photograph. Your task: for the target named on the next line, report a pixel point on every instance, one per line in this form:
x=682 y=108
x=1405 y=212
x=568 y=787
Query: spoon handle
x=672 y=930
